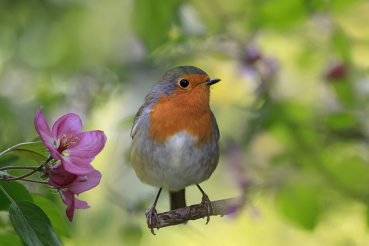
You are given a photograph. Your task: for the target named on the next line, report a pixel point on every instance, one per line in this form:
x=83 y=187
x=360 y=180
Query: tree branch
x=194 y=212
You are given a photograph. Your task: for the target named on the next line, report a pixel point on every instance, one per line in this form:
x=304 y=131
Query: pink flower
x=70 y=184
x=66 y=138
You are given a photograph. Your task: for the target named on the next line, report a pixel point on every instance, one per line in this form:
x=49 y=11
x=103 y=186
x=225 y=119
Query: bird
x=175 y=137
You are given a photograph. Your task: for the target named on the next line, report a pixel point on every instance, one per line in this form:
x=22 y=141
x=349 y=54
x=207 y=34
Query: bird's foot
x=149 y=216
x=207 y=204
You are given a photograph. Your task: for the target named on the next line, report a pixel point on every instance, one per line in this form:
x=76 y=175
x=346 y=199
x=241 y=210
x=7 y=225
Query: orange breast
x=182 y=110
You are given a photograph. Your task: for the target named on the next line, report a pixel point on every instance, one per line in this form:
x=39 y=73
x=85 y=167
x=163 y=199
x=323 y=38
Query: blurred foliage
x=293 y=98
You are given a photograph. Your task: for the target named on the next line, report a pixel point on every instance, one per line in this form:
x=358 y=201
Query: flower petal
x=76 y=165
x=84 y=183
x=67 y=124
x=90 y=144
x=59 y=177
x=53 y=152
x=69 y=200
x=81 y=204
x=42 y=128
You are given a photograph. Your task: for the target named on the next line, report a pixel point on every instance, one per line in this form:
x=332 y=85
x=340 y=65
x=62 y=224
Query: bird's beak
x=210 y=82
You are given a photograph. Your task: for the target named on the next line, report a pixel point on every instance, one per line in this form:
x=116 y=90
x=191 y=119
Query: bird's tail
x=177 y=199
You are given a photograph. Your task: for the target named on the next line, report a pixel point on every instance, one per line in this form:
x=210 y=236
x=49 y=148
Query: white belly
x=175 y=164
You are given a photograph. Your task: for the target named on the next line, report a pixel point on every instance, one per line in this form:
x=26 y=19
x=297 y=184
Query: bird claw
x=207 y=204
x=149 y=215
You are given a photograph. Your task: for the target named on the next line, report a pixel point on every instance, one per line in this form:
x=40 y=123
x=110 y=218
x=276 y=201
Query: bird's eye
x=184 y=83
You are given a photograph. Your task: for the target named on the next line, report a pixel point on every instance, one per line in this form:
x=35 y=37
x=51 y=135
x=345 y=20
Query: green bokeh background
x=298 y=138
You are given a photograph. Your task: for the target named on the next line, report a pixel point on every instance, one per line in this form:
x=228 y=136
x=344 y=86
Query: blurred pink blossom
x=236 y=161
x=251 y=54
x=336 y=72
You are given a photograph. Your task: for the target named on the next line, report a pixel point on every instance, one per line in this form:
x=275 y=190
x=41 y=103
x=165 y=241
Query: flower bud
x=336 y=72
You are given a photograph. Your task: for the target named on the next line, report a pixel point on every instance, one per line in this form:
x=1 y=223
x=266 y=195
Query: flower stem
x=6 y=194
x=26 y=175
x=34 y=181
x=17 y=167
x=30 y=173
x=28 y=180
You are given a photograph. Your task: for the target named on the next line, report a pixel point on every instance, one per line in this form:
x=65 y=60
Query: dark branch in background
x=194 y=212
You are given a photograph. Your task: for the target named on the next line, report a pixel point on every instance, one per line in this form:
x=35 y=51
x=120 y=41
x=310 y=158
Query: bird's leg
x=151 y=213
x=206 y=203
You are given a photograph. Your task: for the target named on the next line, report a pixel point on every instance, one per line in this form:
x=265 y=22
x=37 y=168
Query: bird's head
x=186 y=83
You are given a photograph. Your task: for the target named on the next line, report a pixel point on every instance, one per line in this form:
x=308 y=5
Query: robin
x=175 y=137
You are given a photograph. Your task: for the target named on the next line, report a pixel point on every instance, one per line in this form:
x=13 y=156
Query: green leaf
x=345 y=92
x=30 y=151
x=299 y=203
x=32 y=225
x=8 y=159
x=16 y=191
x=342 y=120
x=347 y=168
x=53 y=213
x=342 y=45
x=36 y=139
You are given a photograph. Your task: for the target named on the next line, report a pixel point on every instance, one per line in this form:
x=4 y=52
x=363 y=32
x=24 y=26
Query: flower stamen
x=65 y=142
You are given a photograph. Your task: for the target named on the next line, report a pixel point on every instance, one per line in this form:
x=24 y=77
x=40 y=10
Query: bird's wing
x=215 y=126
x=137 y=119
